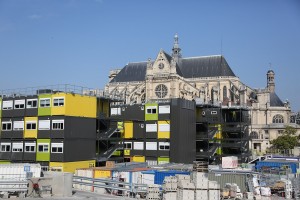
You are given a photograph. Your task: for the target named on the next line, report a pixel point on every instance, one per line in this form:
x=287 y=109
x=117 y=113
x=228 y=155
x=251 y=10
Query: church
x=208 y=81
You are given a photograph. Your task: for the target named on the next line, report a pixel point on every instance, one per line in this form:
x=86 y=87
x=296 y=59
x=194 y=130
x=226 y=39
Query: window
x=57 y=124
x=6 y=126
x=164 y=127
x=161 y=91
x=280 y=132
x=151 y=145
x=115 y=111
x=31 y=103
x=44 y=124
x=127 y=145
x=254 y=135
x=17 y=147
x=59 y=101
x=151 y=110
x=138 y=146
x=164 y=146
x=29 y=147
x=224 y=92
x=7 y=105
x=43 y=147
x=164 y=109
x=278 y=119
x=18 y=125
x=20 y=104
x=45 y=102
x=151 y=127
x=5 y=147
x=31 y=125
x=57 y=147
x=214 y=112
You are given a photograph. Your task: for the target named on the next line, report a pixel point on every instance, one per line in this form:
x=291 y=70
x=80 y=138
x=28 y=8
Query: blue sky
x=46 y=42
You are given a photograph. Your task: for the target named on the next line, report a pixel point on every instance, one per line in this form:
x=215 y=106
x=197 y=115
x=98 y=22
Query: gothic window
x=212 y=95
x=254 y=135
x=161 y=91
x=232 y=94
x=224 y=92
x=278 y=119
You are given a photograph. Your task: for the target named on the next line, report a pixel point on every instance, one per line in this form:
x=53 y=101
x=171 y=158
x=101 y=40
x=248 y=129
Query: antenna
x=221 y=46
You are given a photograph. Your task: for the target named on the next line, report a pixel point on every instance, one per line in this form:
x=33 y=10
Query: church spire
x=176 y=50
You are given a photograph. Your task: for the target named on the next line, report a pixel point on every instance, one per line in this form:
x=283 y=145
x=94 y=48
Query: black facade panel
x=163 y=153
x=31 y=112
x=209 y=115
x=15 y=112
x=120 y=116
x=79 y=149
x=164 y=116
x=183 y=131
x=151 y=135
x=29 y=156
x=16 y=156
x=17 y=134
x=134 y=112
x=137 y=153
x=79 y=127
x=56 y=157
x=151 y=158
x=152 y=153
x=138 y=130
x=5 y=155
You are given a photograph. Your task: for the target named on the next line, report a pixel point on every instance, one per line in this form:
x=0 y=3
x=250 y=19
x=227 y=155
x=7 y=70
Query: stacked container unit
x=55 y=129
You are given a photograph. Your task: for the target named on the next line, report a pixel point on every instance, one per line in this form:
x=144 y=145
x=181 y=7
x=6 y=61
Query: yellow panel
x=100 y=173
x=31 y=133
x=72 y=166
x=128 y=128
x=126 y=152
x=82 y=106
x=163 y=134
x=138 y=159
x=58 y=110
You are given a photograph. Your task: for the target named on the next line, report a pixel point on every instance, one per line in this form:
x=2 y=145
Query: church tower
x=271 y=81
x=176 y=50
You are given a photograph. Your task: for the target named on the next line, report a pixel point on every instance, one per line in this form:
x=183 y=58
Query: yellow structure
x=163 y=134
x=70 y=166
x=31 y=127
x=128 y=129
x=138 y=159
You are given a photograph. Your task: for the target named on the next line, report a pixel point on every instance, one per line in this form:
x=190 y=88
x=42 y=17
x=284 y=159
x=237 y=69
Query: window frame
x=17 y=147
x=20 y=103
x=57 y=146
x=150 y=109
x=30 y=144
x=162 y=146
x=31 y=100
x=44 y=145
x=4 y=103
x=41 y=100
x=31 y=122
x=60 y=101
x=18 y=122
x=129 y=144
x=44 y=122
x=7 y=122
x=61 y=123
x=5 y=144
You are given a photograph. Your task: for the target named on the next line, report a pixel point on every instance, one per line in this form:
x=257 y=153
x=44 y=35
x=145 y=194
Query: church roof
x=205 y=66
x=194 y=67
x=275 y=101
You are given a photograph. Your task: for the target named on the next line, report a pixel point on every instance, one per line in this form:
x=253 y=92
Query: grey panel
x=134 y=112
x=5 y=155
x=44 y=134
x=151 y=153
x=29 y=156
x=222 y=179
x=183 y=131
x=17 y=134
x=14 y=112
x=138 y=130
x=67 y=127
x=57 y=157
x=137 y=152
x=163 y=153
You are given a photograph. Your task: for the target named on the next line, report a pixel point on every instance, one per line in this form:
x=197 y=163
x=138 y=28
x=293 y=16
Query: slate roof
x=275 y=101
x=206 y=66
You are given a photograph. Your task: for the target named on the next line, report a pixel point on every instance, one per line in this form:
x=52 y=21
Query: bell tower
x=271 y=81
x=176 y=50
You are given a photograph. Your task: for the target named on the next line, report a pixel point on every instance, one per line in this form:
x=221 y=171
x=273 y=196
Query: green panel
x=150 y=114
x=43 y=156
x=4 y=162
x=219 y=151
x=117 y=153
x=166 y=159
x=44 y=111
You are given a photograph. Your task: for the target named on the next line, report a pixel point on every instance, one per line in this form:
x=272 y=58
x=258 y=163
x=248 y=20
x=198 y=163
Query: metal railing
x=109 y=184
x=13 y=185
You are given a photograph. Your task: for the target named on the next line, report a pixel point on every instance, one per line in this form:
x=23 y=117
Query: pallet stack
x=169 y=188
x=153 y=192
x=186 y=188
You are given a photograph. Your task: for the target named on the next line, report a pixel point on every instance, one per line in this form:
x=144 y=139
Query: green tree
x=288 y=140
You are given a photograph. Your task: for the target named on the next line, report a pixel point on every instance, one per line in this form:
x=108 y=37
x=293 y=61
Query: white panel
x=151 y=127
x=18 y=125
x=30 y=144
x=138 y=145
x=18 y=145
x=57 y=144
x=58 y=121
x=22 y=101
x=164 y=109
x=5 y=143
x=115 y=111
x=164 y=127
x=164 y=143
x=44 y=124
x=7 y=104
x=151 y=145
